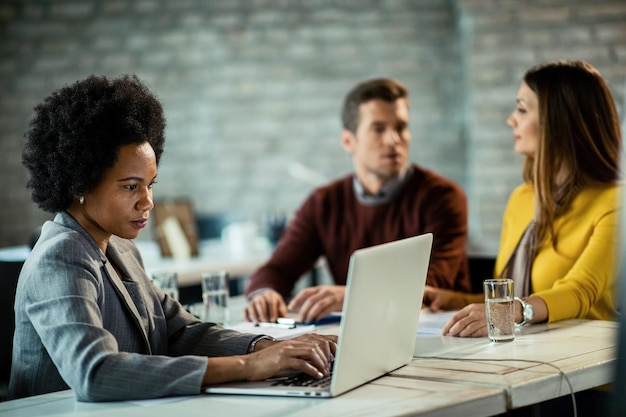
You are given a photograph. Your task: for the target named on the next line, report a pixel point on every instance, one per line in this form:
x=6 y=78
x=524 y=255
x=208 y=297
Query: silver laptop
x=377 y=333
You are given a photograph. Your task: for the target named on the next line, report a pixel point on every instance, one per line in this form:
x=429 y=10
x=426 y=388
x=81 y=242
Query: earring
x=81 y=199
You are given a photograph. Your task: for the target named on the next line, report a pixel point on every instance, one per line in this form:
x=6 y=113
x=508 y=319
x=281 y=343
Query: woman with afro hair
x=87 y=315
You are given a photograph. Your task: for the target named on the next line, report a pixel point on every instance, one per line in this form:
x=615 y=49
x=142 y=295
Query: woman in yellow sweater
x=559 y=233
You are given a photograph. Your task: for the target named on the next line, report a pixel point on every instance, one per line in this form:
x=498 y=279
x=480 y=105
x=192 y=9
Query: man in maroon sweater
x=386 y=199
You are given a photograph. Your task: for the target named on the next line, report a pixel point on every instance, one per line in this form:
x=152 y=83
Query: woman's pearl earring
x=81 y=199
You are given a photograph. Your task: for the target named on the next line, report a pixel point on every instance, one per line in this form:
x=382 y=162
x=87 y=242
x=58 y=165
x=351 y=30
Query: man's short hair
x=379 y=88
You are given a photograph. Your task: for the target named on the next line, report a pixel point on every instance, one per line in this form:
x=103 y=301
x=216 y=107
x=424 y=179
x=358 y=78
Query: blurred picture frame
x=175 y=228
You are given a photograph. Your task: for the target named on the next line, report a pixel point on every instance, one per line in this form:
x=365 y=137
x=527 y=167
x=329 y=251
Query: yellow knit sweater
x=578 y=279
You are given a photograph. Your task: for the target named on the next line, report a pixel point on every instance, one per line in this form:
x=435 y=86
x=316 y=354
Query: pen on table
x=289 y=323
x=276 y=325
x=329 y=319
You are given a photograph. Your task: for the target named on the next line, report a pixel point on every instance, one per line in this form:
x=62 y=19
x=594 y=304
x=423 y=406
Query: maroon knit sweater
x=333 y=223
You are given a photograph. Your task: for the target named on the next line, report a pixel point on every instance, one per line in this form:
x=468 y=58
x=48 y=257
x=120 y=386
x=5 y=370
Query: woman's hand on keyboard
x=310 y=353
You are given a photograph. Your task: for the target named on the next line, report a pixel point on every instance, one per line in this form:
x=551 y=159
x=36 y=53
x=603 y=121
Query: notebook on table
x=381 y=310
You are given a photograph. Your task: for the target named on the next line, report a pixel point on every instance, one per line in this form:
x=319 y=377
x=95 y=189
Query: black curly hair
x=77 y=131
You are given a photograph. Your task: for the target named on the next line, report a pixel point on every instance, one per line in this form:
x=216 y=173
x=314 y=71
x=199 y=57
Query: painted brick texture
x=252 y=89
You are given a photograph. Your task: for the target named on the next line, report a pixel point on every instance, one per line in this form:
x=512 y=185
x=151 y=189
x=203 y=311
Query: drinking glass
x=500 y=309
x=167 y=282
x=215 y=297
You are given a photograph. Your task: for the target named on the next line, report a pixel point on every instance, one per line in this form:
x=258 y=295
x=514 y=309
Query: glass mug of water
x=167 y=282
x=215 y=297
x=500 y=309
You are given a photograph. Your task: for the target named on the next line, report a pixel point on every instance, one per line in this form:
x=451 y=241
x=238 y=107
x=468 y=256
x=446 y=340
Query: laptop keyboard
x=305 y=380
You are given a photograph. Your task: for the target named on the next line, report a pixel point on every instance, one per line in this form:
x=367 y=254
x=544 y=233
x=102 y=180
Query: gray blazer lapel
x=125 y=261
x=116 y=282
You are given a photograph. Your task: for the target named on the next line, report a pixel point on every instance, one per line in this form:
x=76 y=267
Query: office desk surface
x=448 y=377
x=214 y=256
x=585 y=351
x=387 y=396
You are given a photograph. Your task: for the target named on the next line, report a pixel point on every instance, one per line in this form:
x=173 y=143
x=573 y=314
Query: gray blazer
x=78 y=326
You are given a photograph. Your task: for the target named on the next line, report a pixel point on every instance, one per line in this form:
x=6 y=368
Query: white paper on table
x=276 y=332
x=431 y=324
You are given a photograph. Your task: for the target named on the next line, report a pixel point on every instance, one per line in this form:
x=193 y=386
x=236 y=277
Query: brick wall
x=252 y=88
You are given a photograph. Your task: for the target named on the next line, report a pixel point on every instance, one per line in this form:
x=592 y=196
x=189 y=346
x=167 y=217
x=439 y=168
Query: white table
x=14 y=253
x=388 y=396
x=585 y=351
x=214 y=256
x=448 y=377
x=489 y=379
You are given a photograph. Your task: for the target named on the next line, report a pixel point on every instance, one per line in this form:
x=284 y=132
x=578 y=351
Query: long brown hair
x=579 y=138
